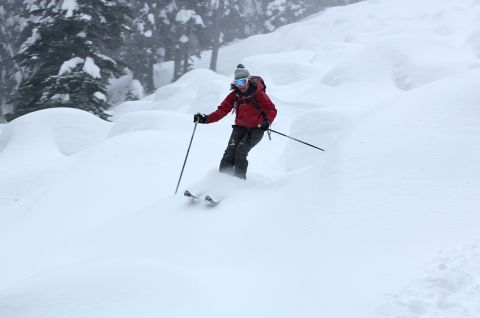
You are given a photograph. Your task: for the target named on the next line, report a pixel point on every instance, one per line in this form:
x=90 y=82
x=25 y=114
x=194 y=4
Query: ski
x=211 y=201
x=196 y=198
x=192 y=197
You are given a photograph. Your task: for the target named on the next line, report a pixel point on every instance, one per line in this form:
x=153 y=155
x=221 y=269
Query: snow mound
x=49 y=135
x=317 y=127
x=123 y=281
x=406 y=62
x=197 y=91
x=284 y=67
x=417 y=146
x=167 y=121
x=196 y=88
x=134 y=106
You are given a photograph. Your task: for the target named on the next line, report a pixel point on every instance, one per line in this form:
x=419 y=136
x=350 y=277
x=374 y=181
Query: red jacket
x=247 y=113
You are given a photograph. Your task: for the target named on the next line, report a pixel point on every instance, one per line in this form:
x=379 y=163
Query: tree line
x=63 y=53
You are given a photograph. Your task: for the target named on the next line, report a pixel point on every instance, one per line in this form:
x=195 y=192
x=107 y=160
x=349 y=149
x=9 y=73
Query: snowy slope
x=384 y=223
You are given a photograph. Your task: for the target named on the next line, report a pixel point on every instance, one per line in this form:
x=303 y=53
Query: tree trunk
x=177 y=64
x=2 y=119
x=217 y=34
x=186 y=62
x=214 y=57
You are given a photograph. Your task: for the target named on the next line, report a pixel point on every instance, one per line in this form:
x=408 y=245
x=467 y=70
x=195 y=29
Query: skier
x=255 y=113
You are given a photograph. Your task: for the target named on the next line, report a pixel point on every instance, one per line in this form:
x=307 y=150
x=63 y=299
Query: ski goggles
x=241 y=82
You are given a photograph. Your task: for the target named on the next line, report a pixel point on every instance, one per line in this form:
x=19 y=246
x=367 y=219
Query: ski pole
x=303 y=142
x=185 y=162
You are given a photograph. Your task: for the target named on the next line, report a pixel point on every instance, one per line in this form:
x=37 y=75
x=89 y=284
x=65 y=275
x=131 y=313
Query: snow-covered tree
x=144 y=45
x=64 y=57
x=183 y=28
x=281 y=12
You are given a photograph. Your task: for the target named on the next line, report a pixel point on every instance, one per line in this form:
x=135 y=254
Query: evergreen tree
x=64 y=57
x=282 y=12
x=232 y=23
x=145 y=44
x=183 y=28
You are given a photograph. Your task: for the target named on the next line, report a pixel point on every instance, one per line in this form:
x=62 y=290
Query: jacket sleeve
x=222 y=110
x=267 y=106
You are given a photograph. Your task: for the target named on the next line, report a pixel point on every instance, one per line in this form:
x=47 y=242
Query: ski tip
x=191 y=196
x=211 y=201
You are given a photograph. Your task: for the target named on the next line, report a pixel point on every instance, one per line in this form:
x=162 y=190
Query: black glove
x=199 y=118
x=264 y=126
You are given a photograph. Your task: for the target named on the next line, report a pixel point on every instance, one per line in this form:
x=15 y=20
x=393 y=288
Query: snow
x=69 y=65
x=61 y=97
x=69 y=6
x=32 y=39
x=91 y=68
x=442 y=291
x=184 y=16
x=183 y=39
x=136 y=89
x=151 y=18
x=100 y=96
x=105 y=58
x=384 y=223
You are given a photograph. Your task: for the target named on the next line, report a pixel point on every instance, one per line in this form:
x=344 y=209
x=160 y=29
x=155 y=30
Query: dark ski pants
x=241 y=141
